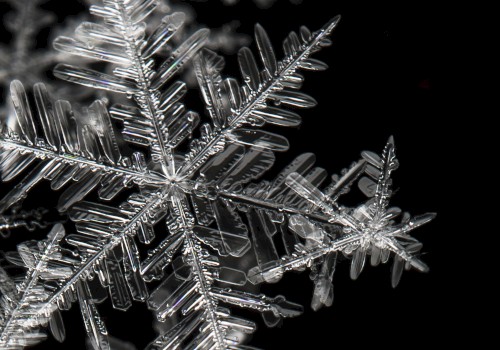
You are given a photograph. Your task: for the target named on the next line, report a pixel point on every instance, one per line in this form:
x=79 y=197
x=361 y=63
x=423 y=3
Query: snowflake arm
x=159 y=116
x=76 y=146
x=368 y=229
x=226 y=193
x=248 y=104
x=93 y=256
x=198 y=298
x=18 y=324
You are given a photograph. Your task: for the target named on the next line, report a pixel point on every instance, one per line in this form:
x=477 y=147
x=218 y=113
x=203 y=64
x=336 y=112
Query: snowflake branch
x=80 y=146
x=152 y=123
x=259 y=96
x=31 y=297
x=138 y=177
x=129 y=228
x=192 y=248
x=145 y=96
x=368 y=229
x=267 y=204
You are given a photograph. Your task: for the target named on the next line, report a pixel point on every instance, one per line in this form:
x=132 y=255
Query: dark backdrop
x=384 y=79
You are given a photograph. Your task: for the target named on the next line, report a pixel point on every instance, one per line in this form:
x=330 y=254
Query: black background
x=384 y=79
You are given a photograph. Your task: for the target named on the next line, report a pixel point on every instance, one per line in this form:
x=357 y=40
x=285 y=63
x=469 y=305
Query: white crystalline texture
x=195 y=213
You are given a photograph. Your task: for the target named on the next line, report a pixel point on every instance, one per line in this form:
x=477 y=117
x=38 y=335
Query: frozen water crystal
x=193 y=210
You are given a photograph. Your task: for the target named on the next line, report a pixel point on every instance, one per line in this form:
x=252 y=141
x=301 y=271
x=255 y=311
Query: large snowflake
x=199 y=194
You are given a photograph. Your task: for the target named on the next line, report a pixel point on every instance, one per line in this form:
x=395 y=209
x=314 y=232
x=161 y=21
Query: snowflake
x=203 y=188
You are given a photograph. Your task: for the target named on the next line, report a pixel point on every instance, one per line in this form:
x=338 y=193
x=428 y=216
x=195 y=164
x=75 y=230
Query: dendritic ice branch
x=152 y=121
x=24 y=306
x=196 y=201
x=369 y=229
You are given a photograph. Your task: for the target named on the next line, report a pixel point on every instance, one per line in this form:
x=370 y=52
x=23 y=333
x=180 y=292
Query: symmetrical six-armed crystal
x=219 y=218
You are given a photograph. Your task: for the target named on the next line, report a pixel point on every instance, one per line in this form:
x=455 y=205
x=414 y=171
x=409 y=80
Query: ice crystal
x=19 y=218
x=27 y=305
x=368 y=229
x=195 y=201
